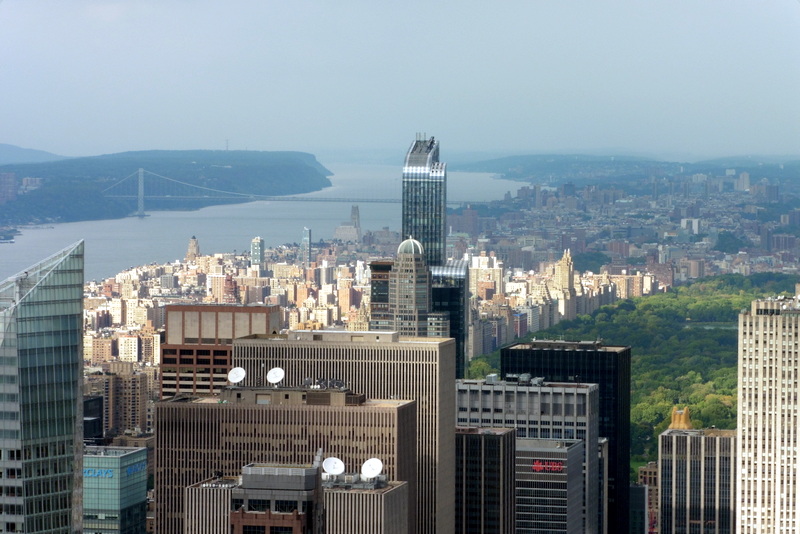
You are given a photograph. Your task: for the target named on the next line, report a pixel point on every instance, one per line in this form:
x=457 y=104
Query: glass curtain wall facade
x=425 y=199
x=257 y=251
x=450 y=295
x=41 y=432
x=115 y=490
x=305 y=248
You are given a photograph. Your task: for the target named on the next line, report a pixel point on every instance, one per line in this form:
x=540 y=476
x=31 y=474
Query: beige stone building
x=382 y=365
x=767 y=436
x=208 y=435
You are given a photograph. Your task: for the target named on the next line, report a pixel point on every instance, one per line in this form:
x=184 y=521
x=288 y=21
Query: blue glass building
x=41 y=404
x=114 y=490
x=425 y=199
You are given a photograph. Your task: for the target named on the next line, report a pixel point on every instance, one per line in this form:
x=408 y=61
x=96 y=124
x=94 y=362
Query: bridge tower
x=140 y=210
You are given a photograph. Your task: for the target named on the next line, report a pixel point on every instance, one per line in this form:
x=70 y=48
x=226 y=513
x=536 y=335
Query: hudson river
x=114 y=245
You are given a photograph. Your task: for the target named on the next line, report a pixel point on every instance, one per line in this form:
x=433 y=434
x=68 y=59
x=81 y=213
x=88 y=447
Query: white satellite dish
x=236 y=375
x=275 y=375
x=333 y=466
x=371 y=468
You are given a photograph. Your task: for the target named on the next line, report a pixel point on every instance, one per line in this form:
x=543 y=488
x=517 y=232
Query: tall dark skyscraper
x=450 y=296
x=41 y=330
x=610 y=368
x=425 y=198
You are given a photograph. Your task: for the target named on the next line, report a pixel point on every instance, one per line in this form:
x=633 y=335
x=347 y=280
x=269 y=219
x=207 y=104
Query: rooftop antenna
x=236 y=375
x=371 y=468
x=275 y=375
x=333 y=467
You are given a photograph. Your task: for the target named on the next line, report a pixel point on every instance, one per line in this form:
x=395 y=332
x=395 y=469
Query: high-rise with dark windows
x=450 y=298
x=610 y=368
x=41 y=435
x=425 y=199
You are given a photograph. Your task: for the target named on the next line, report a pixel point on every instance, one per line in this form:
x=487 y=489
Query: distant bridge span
x=207 y=193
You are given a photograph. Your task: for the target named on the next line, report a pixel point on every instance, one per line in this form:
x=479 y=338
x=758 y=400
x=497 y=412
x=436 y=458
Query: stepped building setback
x=386 y=366
x=204 y=435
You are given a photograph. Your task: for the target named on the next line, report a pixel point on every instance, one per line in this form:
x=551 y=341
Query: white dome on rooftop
x=410 y=246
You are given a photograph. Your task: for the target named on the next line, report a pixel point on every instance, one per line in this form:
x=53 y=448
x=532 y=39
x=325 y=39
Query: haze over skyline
x=679 y=79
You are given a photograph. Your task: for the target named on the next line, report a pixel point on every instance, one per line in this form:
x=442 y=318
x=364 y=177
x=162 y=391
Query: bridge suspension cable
x=140 y=193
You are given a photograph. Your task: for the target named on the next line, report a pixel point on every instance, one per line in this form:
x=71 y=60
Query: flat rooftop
x=568 y=345
x=91 y=450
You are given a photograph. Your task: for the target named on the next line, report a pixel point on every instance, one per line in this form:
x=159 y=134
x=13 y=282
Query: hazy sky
x=671 y=78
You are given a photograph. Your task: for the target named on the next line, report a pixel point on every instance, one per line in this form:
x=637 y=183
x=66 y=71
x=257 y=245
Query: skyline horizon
x=388 y=156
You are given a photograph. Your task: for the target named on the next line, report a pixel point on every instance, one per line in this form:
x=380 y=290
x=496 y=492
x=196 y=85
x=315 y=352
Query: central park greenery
x=683 y=346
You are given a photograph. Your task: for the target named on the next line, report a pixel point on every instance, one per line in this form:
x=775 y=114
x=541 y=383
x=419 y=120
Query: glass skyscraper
x=425 y=199
x=115 y=490
x=257 y=251
x=450 y=295
x=41 y=405
x=305 y=248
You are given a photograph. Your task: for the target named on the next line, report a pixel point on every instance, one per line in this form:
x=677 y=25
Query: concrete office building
x=213 y=497
x=545 y=410
x=41 y=435
x=374 y=506
x=265 y=498
x=196 y=355
x=697 y=479
x=589 y=362
x=425 y=199
x=549 y=486
x=114 y=490
x=383 y=365
x=295 y=499
x=767 y=439
x=204 y=435
x=485 y=480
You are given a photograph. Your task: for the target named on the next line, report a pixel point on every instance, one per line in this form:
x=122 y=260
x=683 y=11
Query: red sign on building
x=548 y=466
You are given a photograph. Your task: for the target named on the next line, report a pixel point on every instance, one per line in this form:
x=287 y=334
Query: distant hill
x=73 y=189
x=574 y=167
x=10 y=154
x=585 y=169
